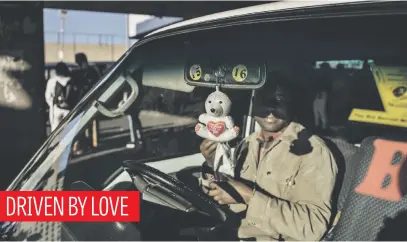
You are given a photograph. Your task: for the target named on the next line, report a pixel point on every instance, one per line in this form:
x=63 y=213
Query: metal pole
x=59 y=45
x=74 y=43
x=62 y=15
x=112 y=47
x=250 y=121
x=127 y=32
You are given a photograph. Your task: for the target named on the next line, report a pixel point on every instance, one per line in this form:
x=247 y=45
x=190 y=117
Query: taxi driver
x=287 y=175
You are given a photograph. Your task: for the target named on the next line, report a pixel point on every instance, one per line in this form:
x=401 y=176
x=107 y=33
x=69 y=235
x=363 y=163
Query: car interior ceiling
x=307 y=41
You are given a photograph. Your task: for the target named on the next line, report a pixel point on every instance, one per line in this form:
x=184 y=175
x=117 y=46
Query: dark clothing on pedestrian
x=85 y=79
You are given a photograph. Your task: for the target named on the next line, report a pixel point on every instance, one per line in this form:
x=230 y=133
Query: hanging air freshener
x=217 y=125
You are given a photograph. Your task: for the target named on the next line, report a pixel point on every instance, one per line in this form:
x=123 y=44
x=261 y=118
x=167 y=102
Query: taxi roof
x=262 y=8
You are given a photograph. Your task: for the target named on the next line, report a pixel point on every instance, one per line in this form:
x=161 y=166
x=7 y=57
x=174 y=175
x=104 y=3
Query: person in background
x=340 y=97
x=304 y=79
x=365 y=87
x=320 y=108
x=59 y=94
x=86 y=77
x=322 y=97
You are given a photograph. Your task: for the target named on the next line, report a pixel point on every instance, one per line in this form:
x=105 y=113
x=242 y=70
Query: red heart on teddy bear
x=216 y=128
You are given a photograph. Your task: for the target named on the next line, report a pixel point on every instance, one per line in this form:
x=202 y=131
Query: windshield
x=330 y=71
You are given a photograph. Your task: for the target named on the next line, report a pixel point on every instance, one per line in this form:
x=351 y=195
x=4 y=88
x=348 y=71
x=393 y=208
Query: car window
x=348 y=85
x=328 y=91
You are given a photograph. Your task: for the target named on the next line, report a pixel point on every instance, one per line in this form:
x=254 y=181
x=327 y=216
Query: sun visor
x=166 y=73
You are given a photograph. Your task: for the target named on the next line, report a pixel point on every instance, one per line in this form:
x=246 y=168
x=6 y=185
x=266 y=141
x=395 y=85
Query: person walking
x=59 y=94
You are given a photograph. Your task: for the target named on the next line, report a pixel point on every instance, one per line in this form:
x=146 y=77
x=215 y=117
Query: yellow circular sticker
x=195 y=72
x=239 y=73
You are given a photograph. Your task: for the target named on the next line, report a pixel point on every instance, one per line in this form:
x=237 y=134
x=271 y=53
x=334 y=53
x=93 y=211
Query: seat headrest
x=377 y=197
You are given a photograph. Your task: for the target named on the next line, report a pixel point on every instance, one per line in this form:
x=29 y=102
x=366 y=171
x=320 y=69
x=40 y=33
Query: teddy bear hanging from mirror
x=217 y=125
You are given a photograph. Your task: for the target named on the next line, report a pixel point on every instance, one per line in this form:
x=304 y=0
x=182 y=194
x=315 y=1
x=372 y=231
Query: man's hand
x=223 y=197
x=208 y=148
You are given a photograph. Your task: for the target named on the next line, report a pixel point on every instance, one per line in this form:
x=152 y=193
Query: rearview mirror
x=228 y=74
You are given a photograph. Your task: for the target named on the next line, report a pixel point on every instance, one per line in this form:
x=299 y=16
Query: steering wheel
x=171 y=190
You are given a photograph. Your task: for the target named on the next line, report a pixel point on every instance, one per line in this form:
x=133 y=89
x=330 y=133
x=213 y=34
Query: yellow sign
x=195 y=72
x=391 y=83
x=239 y=73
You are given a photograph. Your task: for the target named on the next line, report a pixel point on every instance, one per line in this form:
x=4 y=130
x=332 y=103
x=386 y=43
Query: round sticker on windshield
x=195 y=72
x=239 y=73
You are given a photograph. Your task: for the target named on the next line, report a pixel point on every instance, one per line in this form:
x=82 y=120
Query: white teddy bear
x=216 y=125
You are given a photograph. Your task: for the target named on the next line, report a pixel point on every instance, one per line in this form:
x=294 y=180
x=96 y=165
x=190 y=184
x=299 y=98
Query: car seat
x=371 y=210
x=343 y=152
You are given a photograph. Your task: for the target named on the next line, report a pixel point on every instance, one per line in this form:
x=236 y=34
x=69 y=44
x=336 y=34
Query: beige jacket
x=298 y=206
